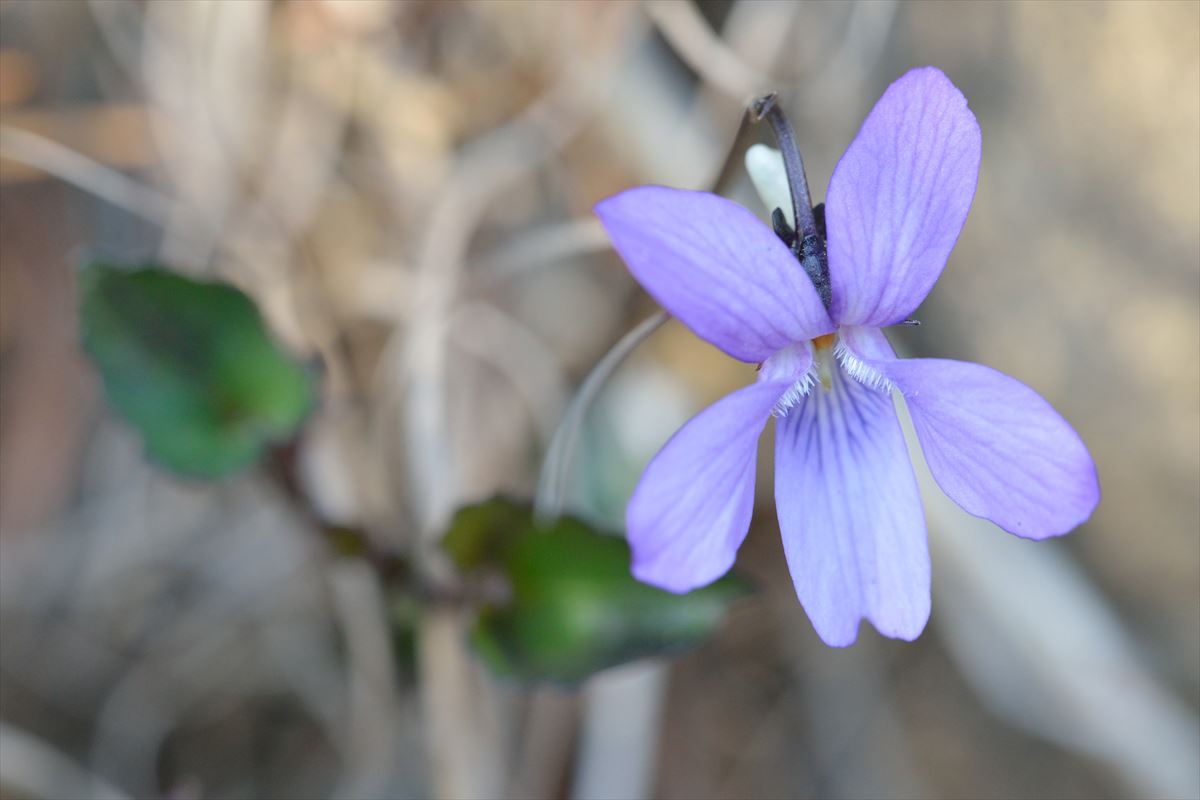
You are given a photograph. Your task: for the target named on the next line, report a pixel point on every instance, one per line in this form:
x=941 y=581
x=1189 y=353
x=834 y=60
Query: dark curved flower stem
x=767 y=107
x=808 y=241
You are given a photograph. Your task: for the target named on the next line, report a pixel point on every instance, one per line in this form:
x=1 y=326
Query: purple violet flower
x=849 y=510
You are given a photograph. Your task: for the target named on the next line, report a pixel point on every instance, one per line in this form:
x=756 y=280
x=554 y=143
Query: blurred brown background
x=405 y=188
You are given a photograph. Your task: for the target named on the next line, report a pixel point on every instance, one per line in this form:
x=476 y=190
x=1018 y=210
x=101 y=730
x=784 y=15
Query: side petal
x=850 y=514
x=996 y=447
x=691 y=510
x=716 y=267
x=898 y=199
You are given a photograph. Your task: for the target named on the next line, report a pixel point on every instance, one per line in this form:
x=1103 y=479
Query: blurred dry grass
x=406 y=189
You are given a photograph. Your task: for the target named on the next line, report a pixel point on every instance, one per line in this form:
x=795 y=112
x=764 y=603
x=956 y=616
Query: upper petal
x=716 y=267
x=850 y=514
x=691 y=509
x=996 y=447
x=898 y=199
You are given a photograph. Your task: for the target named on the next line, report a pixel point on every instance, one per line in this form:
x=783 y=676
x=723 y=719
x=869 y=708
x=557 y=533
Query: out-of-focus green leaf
x=480 y=534
x=574 y=608
x=191 y=366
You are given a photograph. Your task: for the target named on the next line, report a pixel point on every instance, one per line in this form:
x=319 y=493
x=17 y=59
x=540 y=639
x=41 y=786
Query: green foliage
x=480 y=534
x=190 y=365
x=574 y=608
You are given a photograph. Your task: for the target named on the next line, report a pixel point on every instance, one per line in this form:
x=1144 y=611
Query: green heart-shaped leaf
x=574 y=607
x=191 y=366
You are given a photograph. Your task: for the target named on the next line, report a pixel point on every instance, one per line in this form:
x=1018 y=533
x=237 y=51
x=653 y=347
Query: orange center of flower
x=823 y=346
x=824 y=342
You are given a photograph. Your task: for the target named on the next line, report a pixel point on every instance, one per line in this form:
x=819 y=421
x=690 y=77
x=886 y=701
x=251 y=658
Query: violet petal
x=691 y=509
x=716 y=267
x=898 y=199
x=850 y=514
x=996 y=447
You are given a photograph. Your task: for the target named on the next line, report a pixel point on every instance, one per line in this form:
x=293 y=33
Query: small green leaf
x=574 y=607
x=190 y=365
x=480 y=534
